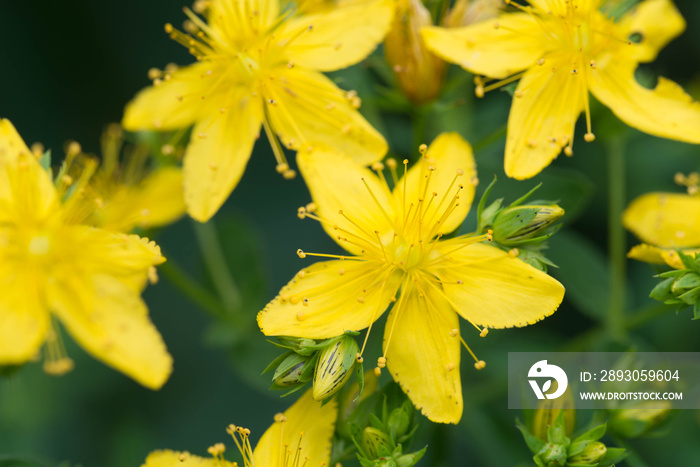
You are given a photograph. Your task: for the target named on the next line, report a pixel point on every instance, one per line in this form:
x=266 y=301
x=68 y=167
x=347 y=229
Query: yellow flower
x=259 y=64
x=129 y=194
x=54 y=268
x=301 y=437
x=394 y=241
x=665 y=222
x=561 y=50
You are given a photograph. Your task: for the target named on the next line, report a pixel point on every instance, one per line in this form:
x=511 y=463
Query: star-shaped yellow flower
x=259 y=64
x=301 y=437
x=665 y=222
x=560 y=51
x=55 y=268
x=396 y=255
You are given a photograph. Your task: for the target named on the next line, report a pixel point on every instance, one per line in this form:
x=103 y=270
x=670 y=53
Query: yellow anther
x=359 y=358
x=513 y=252
x=568 y=151
x=152 y=275
x=183 y=456
x=301 y=212
x=154 y=73
x=311 y=207
x=381 y=362
x=360 y=300
x=480 y=365
x=479 y=91
x=391 y=163
x=73 y=148
x=589 y=137
x=280 y=418
x=377 y=166
x=377 y=371
x=67 y=180
x=294 y=299
x=301 y=316
x=305 y=301
x=169 y=28
x=282 y=168
x=489 y=235
x=423 y=148
x=484 y=332
x=593 y=64
x=450 y=366
x=341 y=271
x=167 y=149
x=540 y=62
x=518 y=93
x=231 y=429
x=460 y=172
x=454 y=333
x=301 y=254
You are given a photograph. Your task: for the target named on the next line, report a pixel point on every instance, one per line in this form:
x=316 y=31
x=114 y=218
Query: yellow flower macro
x=259 y=63
x=54 y=268
x=301 y=437
x=128 y=194
x=561 y=50
x=397 y=256
x=665 y=222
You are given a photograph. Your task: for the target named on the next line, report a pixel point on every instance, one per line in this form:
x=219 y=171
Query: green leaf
x=533 y=443
x=593 y=434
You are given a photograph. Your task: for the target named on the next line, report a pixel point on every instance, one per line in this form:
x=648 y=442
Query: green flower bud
x=334 y=367
x=292 y=371
x=636 y=421
x=518 y=224
x=376 y=443
x=590 y=454
x=386 y=462
x=409 y=460
x=399 y=422
x=553 y=454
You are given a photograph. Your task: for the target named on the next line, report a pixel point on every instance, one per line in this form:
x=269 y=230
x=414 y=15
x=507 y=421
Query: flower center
x=39 y=245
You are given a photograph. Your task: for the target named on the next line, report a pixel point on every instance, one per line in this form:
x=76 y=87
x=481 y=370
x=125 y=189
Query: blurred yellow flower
x=666 y=222
x=561 y=50
x=129 y=194
x=394 y=241
x=259 y=64
x=53 y=268
x=301 y=437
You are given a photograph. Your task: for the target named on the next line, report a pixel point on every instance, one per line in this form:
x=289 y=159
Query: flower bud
x=547 y=412
x=419 y=73
x=334 y=367
x=589 y=452
x=293 y=370
x=554 y=454
x=399 y=422
x=635 y=422
x=376 y=443
x=519 y=224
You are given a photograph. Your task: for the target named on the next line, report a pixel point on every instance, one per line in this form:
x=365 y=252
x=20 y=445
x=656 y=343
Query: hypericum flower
x=301 y=437
x=259 y=63
x=55 y=268
x=397 y=256
x=561 y=50
x=128 y=194
x=666 y=222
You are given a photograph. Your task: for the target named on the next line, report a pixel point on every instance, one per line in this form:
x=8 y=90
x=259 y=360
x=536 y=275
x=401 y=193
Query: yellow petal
x=484 y=49
x=308 y=428
x=647 y=253
x=218 y=153
x=242 y=21
x=336 y=184
x=665 y=219
x=109 y=320
x=182 y=459
x=542 y=121
x=666 y=111
x=24 y=319
x=25 y=187
x=658 y=22
x=422 y=356
x=157 y=201
x=174 y=103
x=338 y=38
x=449 y=155
x=308 y=108
x=341 y=296
x=672 y=258
x=496 y=290
x=560 y=8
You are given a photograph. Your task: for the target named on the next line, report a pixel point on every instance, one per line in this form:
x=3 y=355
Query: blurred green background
x=69 y=67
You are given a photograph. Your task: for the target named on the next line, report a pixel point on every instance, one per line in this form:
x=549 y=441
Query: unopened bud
x=548 y=411
x=334 y=367
x=589 y=452
x=293 y=370
x=376 y=443
x=520 y=223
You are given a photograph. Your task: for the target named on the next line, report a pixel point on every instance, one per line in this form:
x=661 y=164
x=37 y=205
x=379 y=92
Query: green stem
x=190 y=288
x=419 y=121
x=615 y=319
x=213 y=255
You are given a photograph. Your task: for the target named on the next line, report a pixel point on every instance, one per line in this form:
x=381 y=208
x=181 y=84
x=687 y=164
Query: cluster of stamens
x=690 y=181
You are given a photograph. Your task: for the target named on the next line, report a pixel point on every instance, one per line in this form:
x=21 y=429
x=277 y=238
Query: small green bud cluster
x=558 y=450
x=329 y=363
x=521 y=229
x=380 y=444
x=681 y=286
